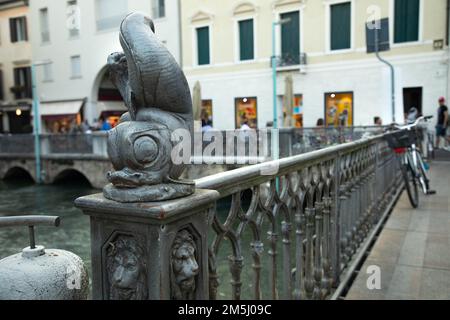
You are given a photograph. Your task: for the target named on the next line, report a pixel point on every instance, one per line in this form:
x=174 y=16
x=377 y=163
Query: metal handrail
x=227 y=182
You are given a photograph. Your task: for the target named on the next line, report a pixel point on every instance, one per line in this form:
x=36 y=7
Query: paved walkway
x=413 y=250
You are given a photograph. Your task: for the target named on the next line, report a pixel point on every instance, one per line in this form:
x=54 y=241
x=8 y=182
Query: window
x=290 y=38
x=18 y=29
x=339 y=109
x=45 y=30
x=1 y=86
x=110 y=13
x=75 y=63
x=207 y=112
x=246 y=112
x=246 y=40
x=340 y=26
x=406 y=20
x=48 y=72
x=159 y=8
x=73 y=19
x=22 y=83
x=203 y=54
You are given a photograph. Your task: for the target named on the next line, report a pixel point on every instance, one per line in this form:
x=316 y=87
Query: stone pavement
x=413 y=249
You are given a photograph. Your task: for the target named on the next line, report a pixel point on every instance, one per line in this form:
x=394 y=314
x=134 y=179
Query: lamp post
x=275 y=147
x=36 y=119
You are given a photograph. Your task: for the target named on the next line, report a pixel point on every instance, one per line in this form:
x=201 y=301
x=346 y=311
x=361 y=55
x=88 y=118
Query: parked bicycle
x=414 y=170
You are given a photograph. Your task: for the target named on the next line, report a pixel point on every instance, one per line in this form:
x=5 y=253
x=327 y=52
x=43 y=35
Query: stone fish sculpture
x=157 y=96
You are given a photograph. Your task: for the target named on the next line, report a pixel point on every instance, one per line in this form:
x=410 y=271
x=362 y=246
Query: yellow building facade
x=228 y=45
x=15 y=72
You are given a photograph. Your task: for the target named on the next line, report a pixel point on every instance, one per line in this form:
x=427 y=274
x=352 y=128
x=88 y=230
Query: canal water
x=19 y=197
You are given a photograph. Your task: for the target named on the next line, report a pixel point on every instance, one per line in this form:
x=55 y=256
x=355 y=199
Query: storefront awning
x=111 y=106
x=60 y=108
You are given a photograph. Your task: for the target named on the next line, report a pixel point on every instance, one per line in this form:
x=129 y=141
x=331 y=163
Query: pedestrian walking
x=442 y=123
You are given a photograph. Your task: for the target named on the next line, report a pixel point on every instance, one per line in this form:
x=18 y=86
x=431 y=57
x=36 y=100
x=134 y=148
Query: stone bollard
x=154 y=251
x=38 y=273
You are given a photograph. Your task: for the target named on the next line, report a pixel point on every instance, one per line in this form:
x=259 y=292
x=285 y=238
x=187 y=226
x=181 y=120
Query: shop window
x=290 y=39
x=339 y=109
x=340 y=26
x=207 y=113
x=246 y=40
x=406 y=20
x=18 y=29
x=22 y=83
x=203 y=54
x=246 y=112
x=298 y=110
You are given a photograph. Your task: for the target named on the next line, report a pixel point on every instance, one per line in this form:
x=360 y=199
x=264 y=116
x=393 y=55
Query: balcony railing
x=287 y=60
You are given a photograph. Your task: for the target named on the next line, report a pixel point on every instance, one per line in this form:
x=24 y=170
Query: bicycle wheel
x=424 y=181
x=411 y=185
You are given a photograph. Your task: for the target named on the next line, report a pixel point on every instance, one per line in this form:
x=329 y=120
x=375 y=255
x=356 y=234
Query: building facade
x=15 y=71
x=71 y=41
x=228 y=45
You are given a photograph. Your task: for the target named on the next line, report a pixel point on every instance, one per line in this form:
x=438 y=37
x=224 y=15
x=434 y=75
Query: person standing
x=442 y=122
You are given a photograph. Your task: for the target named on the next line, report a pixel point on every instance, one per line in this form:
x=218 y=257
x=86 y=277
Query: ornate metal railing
x=303 y=224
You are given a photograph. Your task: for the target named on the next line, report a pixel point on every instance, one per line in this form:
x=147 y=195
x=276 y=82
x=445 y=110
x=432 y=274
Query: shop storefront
x=207 y=112
x=61 y=116
x=111 y=111
x=15 y=119
x=246 y=111
x=339 y=109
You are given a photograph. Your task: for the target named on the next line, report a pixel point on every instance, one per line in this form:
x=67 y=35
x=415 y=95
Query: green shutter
x=290 y=38
x=406 y=20
x=246 y=40
x=340 y=26
x=203 y=45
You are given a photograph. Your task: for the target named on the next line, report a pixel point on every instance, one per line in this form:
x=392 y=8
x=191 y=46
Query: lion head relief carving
x=184 y=266
x=126 y=270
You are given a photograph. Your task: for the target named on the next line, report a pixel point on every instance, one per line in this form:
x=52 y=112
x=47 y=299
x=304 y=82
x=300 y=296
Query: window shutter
x=290 y=38
x=340 y=26
x=13 y=30
x=246 y=41
x=25 y=28
x=28 y=85
x=203 y=45
x=406 y=21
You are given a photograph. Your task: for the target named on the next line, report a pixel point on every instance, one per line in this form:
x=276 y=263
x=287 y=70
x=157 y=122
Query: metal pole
x=377 y=53
x=275 y=151
x=36 y=119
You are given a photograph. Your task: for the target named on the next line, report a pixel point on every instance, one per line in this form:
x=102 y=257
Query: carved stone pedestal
x=154 y=251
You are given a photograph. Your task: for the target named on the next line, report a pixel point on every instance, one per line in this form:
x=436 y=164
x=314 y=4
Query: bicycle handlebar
x=409 y=126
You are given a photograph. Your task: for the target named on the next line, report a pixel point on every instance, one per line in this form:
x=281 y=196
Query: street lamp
x=275 y=148
x=37 y=118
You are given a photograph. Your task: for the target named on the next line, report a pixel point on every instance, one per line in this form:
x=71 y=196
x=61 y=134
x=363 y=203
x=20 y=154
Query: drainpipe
x=377 y=53
x=448 y=48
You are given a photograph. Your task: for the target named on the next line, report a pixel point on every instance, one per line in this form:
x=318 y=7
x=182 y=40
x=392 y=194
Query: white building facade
x=71 y=40
x=332 y=72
